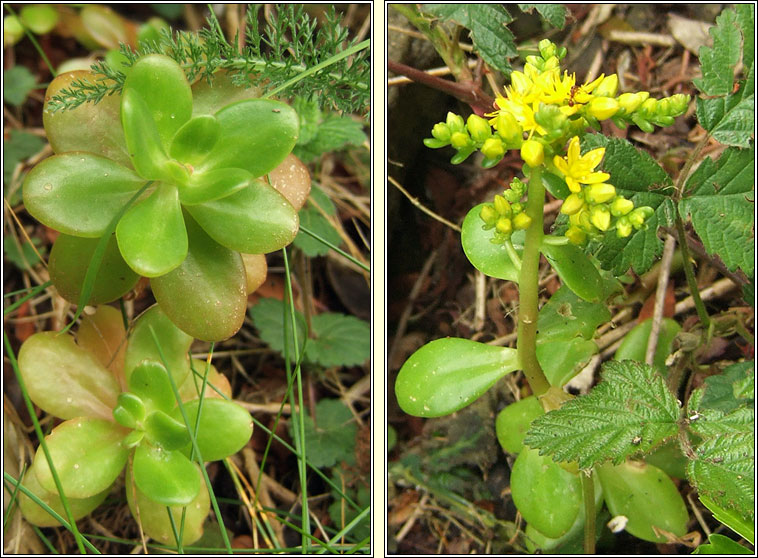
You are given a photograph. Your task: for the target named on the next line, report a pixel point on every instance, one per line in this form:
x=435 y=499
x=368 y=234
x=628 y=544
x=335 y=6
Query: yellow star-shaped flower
x=579 y=169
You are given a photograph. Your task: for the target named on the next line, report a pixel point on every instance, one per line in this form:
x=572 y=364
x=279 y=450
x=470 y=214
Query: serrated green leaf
x=340 y=340
x=554 y=14
x=719 y=390
x=492 y=39
x=268 y=315
x=636 y=175
x=19 y=146
x=746 y=21
x=311 y=219
x=331 y=438
x=332 y=133
x=718 y=62
x=729 y=119
x=719 y=201
x=630 y=411
x=26 y=257
x=18 y=81
x=731 y=518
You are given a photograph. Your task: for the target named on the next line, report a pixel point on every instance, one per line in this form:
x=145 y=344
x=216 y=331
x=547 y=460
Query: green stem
x=529 y=288
x=588 y=491
x=690 y=274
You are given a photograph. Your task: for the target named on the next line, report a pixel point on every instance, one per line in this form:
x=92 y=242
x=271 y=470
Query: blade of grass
x=33 y=40
x=32 y=496
x=38 y=429
x=297 y=411
x=349 y=527
x=34 y=292
x=195 y=449
x=97 y=257
x=335 y=248
x=11 y=508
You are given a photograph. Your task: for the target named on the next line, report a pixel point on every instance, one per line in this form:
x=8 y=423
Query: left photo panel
x=187 y=278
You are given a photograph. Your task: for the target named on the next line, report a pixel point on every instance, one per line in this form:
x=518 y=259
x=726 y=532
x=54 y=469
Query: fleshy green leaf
x=155 y=520
x=151 y=235
x=68 y=264
x=195 y=139
x=255 y=220
x=174 y=344
x=166 y=432
x=513 y=421
x=224 y=429
x=719 y=544
x=634 y=345
x=150 y=382
x=718 y=62
x=87 y=454
x=646 y=496
x=547 y=496
x=331 y=438
x=205 y=296
x=448 y=374
x=161 y=83
x=630 y=411
x=19 y=81
x=720 y=201
x=488 y=257
x=146 y=150
x=560 y=366
x=212 y=185
x=638 y=177
x=554 y=14
x=78 y=193
x=256 y=135
x=130 y=410
x=35 y=515
x=575 y=270
x=165 y=477
x=95 y=128
x=65 y=380
x=566 y=316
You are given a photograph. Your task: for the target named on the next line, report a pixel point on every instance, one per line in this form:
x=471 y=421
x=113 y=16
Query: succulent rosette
x=176 y=177
x=118 y=402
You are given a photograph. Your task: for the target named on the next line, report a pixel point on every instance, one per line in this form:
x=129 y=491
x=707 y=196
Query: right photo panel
x=570 y=286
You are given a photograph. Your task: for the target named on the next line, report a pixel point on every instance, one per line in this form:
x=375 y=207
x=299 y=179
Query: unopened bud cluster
x=506 y=213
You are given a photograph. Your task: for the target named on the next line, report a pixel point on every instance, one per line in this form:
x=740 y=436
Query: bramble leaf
x=722 y=413
x=331 y=437
x=487 y=23
x=630 y=411
x=636 y=175
x=312 y=219
x=730 y=119
x=19 y=81
x=718 y=61
x=746 y=21
x=719 y=544
x=554 y=14
x=719 y=200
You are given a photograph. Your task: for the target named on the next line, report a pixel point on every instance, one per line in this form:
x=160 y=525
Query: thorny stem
x=528 y=287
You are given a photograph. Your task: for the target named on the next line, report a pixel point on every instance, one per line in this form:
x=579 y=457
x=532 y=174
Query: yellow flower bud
x=603 y=107
x=502 y=206
x=621 y=206
x=638 y=217
x=478 y=128
x=533 y=153
x=581 y=219
x=488 y=215
x=504 y=226
x=600 y=217
x=493 y=148
x=649 y=106
x=678 y=104
x=546 y=48
x=508 y=127
x=455 y=122
x=459 y=140
x=600 y=193
x=623 y=228
x=520 y=83
x=572 y=204
x=522 y=221
x=441 y=131
x=576 y=236
x=608 y=86
x=631 y=101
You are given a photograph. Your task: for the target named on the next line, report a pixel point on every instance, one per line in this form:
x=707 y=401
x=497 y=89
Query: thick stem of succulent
x=588 y=491
x=528 y=286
